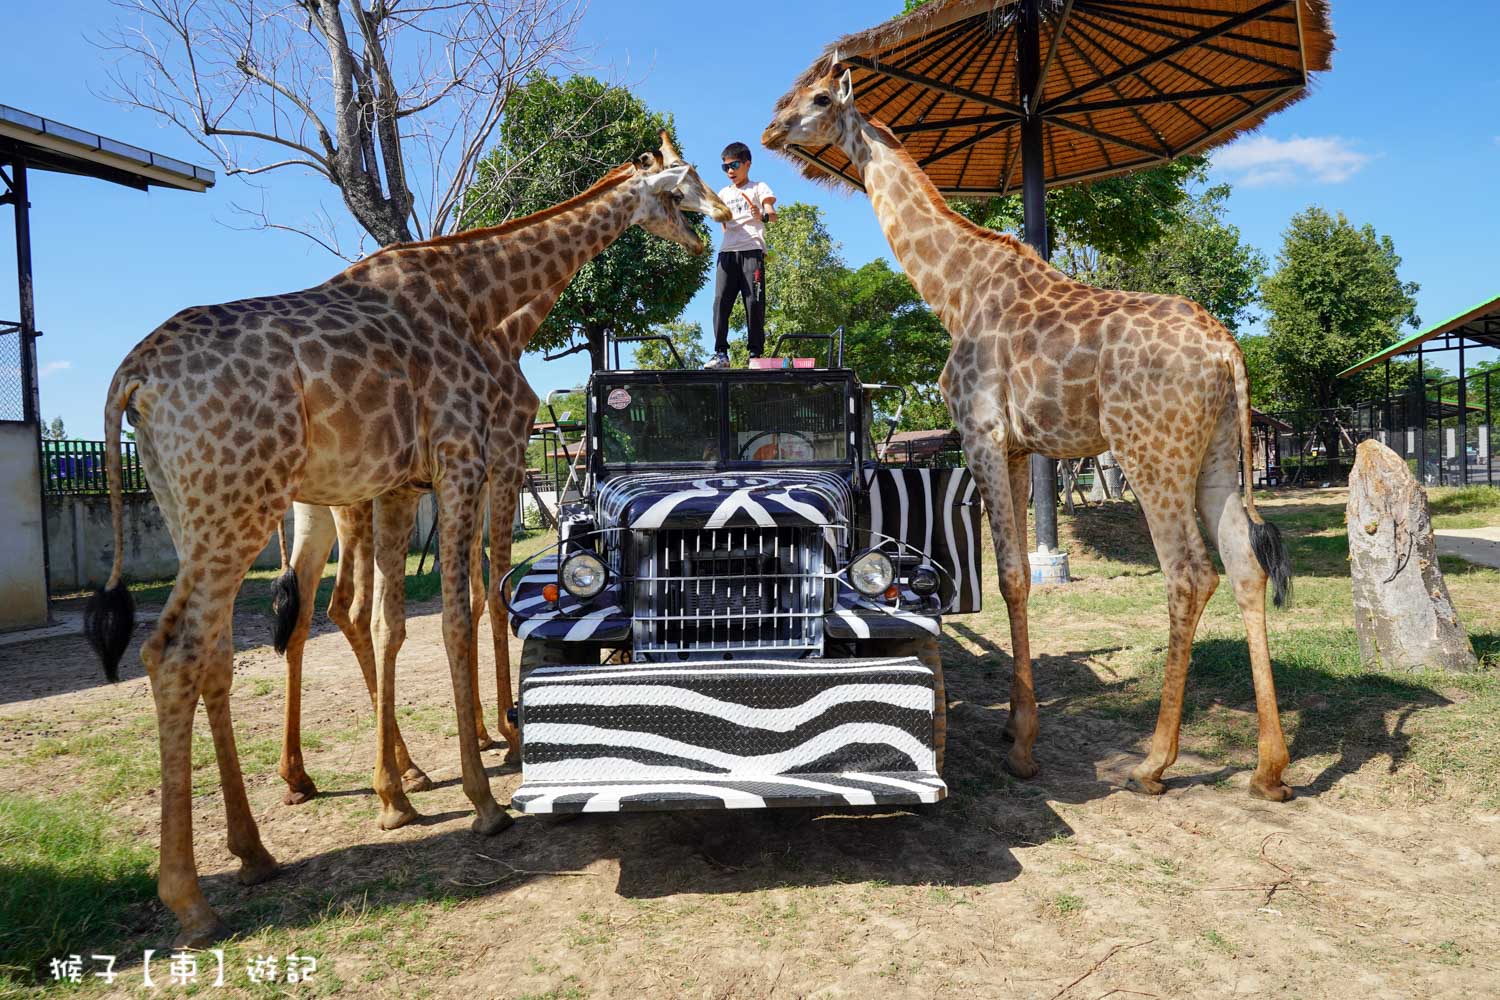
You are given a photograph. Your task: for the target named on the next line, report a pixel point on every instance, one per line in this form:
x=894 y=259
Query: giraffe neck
x=935 y=246
x=521 y=268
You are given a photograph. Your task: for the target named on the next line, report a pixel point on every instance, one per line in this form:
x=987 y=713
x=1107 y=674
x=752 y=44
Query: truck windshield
x=791 y=421
x=646 y=424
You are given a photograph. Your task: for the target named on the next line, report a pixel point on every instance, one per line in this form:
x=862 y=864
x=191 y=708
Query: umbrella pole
x=1034 y=208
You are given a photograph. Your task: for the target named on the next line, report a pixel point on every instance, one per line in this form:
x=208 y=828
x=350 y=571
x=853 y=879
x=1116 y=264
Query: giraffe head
x=670 y=186
x=816 y=113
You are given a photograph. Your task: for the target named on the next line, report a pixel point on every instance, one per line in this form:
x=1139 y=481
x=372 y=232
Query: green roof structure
x=1479 y=325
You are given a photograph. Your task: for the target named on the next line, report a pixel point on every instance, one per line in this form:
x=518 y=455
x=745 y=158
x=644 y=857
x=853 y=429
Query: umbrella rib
x=1250 y=39
x=1171 y=63
x=1128 y=21
x=1067 y=75
x=989 y=57
x=959 y=146
x=1133 y=104
x=1190 y=11
x=1134 y=112
x=901 y=74
x=955 y=35
x=1227 y=25
x=1163 y=152
x=1059 y=28
x=1172 y=97
x=954 y=57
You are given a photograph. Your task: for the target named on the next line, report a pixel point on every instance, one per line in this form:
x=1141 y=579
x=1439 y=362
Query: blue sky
x=1403 y=133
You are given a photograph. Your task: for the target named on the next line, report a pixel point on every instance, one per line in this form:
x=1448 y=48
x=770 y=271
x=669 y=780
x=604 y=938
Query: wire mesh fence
x=12 y=373
x=78 y=467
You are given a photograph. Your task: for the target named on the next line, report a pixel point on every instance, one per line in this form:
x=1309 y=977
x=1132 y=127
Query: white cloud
x=52 y=367
x=1262 y=160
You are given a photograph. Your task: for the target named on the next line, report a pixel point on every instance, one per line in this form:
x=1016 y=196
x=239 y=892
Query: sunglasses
x=733 y=165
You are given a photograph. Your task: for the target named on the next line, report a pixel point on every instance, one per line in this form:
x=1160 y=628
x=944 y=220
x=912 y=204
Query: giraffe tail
x=109 y=615
x=286 y=597
x=1265 y=538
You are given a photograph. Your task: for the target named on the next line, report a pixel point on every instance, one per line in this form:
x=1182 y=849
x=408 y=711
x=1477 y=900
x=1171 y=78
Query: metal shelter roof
x=1479 y=325
x=1123 y=84
x=50 y=145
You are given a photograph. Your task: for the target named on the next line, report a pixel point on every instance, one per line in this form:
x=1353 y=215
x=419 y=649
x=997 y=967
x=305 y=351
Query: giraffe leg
x=394 y=513
x=1167 y=499
x=1223 y=512
x=476 y=610
x=173 y=661
x=256 y=863
x=350 y=609
x=312 y=541
x=503 y=497
x=980 y=419
x=1019 y=471
x=458 y=490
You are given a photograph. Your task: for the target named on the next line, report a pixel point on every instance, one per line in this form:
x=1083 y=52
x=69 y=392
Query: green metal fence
x=77 y=467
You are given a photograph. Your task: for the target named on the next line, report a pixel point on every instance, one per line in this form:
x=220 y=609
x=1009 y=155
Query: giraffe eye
x=822 y=100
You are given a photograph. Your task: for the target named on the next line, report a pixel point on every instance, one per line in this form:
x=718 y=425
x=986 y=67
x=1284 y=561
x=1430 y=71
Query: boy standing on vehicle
x=742 y=255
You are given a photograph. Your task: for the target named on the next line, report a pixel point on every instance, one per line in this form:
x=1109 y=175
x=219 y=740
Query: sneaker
x=718 y=361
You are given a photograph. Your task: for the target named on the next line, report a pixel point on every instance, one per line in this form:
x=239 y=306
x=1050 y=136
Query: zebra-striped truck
x=744 y=606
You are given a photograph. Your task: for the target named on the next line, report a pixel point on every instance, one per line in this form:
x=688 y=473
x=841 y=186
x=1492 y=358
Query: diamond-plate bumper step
x=745 y=734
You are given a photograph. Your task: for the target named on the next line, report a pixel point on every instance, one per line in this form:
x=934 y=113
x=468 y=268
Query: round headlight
x=871 y=573
x=924 y=580
x=583 y=574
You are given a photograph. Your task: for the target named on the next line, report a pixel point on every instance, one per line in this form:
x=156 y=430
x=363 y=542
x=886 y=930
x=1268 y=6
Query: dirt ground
x=1367 y=884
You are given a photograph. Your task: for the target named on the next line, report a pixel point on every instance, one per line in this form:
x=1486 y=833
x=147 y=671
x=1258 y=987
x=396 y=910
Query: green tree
x=1336 y=296
x=687 y=337
x=557 y=139
x=1198 y=256
x=55 y=431
x=804 y=268
x=892 y=336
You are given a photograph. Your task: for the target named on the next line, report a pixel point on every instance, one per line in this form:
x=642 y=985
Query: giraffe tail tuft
x=1265 y=538
x=286 y=605
x=109 y=615
x=1270 y=552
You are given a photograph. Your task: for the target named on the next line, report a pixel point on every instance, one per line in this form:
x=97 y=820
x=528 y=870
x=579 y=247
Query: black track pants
x=740 y=272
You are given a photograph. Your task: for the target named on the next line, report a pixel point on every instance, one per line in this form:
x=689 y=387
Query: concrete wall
x=23 y=580
x=82 y=541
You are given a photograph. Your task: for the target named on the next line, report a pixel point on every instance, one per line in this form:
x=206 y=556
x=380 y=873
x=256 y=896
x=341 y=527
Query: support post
x=1422 y=420
x=1463 y=420
x=32 y=402
x=1034 y=208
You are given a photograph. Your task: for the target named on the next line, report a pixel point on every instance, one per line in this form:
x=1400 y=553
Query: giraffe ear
x=667 y=180
x=846 y=87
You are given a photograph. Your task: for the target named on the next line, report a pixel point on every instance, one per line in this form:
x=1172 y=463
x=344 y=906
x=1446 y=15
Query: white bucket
x=1048 y=567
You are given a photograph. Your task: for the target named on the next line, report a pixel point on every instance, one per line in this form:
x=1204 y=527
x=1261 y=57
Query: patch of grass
x=1065 y=904
x=1464 y=507
x=68 y=881
x=1218 y=942
x=262 y=686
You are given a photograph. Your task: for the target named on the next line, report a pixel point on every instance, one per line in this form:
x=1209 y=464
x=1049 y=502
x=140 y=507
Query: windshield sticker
x=618 y=399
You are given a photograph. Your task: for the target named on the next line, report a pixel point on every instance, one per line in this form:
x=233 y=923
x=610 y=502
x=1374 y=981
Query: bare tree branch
x=394 y=102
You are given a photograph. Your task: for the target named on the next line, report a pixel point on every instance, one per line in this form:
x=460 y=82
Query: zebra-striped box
x=727 y=735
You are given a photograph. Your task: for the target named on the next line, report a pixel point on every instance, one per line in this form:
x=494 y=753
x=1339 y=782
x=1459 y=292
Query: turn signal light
x=549 y=593
x=892 y=592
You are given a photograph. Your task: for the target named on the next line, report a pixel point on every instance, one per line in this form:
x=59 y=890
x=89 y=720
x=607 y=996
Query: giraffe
x=382 y=381
x=349 y=607
x=1044 y=364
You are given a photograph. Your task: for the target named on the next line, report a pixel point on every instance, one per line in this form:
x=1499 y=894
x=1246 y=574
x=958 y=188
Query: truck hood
x=650 y=501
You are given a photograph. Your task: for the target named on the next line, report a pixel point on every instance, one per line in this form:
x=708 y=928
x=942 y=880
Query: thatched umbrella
x=996 y=97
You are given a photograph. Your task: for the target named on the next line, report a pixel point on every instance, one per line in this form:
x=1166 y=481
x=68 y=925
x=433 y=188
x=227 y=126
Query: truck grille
x=728 y=590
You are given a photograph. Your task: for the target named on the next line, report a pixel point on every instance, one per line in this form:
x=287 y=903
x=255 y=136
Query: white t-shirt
x=744 y=230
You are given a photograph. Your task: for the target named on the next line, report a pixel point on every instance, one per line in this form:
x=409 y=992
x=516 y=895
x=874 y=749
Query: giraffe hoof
x=1271 y=793
x=393 y=818
x=299 y=793
x=1144 y=785
x=202 y=934
x=415 y=780
x=257 y=868
x=512 y=755
x=492 y=823
x=1021 y=765
x=485 y=741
